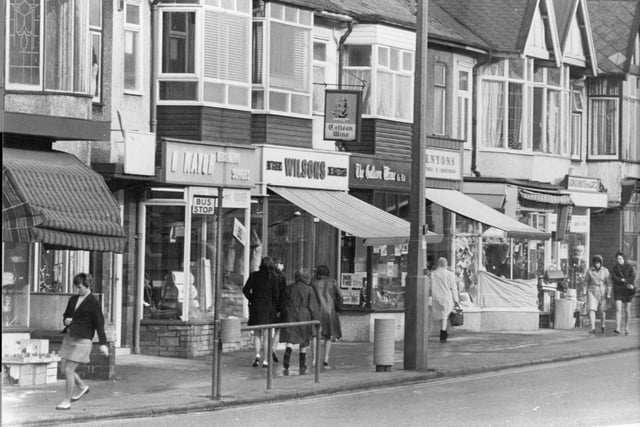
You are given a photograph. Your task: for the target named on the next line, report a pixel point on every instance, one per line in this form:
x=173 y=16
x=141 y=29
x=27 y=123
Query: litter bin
x=383 y=344
x=564 y=314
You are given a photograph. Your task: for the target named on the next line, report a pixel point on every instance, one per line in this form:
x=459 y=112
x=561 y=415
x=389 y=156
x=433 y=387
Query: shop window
x=389 y=276
x=58 y=267
x=61 y=29
x=15 y=284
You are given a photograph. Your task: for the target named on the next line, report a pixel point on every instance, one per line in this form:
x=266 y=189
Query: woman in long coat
x=329 y=297
x=300 y=305
x=623 y=277
x=444 y=295
x=261 y=290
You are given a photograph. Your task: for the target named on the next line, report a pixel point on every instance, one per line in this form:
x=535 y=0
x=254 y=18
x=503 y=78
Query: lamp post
x=416 y=329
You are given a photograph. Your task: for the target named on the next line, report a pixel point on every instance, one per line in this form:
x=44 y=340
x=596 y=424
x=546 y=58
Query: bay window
x=577 y=105
x=604 y=126
x=523 y=107
x=462 y=99
x=386 y=75
x=49 y=45
x=282 y=70
x=631 y=114
x=205 y=54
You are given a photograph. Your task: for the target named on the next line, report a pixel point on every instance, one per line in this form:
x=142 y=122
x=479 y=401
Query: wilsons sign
x=291 y=167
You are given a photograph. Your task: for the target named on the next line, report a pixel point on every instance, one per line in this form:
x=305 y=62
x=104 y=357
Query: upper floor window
x=604 y=127
x=48 y=47
x=95 y=31
x=319 y=75
x=132 y=48
x=636 y=54
x=577 y=112
x=631 y=117
x=282 y=68
x=205 y=54
x=439 y=98
x=523 y=107
x=387 y=75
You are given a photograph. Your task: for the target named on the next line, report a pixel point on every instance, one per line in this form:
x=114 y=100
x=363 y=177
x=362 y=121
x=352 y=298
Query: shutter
x=226 y=46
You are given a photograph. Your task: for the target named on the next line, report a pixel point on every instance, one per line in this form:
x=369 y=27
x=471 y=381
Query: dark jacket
x=300 y=305
x=620 y=272
x=261 y=290
x=86 y=320
x=329 y=297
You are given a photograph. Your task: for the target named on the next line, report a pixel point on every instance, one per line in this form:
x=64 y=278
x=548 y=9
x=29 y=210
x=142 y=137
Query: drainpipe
x=341 y=42
x=474 y=115
x=153 y=120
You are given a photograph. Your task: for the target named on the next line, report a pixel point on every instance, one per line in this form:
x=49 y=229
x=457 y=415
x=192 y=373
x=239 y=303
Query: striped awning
x=53 y=198
x=548 y=198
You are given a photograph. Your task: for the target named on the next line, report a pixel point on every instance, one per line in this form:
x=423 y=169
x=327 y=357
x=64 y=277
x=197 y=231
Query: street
x=591 y=391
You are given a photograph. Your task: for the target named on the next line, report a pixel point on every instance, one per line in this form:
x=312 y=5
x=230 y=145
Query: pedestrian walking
x=444 y=295
x=623 y=277
x=300 y=305
x=282 y=285
x=261 y=290
x=329 y=302
x=597 y=287
x=82 y=318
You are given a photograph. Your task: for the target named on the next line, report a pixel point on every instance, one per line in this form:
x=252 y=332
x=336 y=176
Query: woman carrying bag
x=82 y=318
x=444 y=295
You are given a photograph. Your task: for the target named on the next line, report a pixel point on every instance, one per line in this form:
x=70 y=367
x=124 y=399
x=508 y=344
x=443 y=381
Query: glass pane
x=95 y=13
x=178 y=42
x=164 y=255
x=407 y=61
x=178 y=91
x=389 y=268
x=24 y=42
x=203 y=257
x=463 y=80
x=538 y=109
x=357 y=56
x=318 y=89
x=404 y=97
x=289 y=236
x=130 y=60
x=553 y=76
x=492 y=114
x=604 y=127
x=394 y=62
x=516 y=68
x=15 y=284
x=290 y=51
x=383 y=56
x=300 y=104
x=440 y=75
x=133 y=14
x=58 y=43
x=516 y=128
x=384 y=87
x=319 y=51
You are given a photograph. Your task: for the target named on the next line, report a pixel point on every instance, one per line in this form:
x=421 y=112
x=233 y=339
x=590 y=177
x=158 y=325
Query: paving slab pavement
x=146 y=386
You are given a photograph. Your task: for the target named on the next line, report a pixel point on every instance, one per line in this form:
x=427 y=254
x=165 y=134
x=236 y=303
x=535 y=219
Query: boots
x=443 y=336
x=303 y=363
x=287 y=358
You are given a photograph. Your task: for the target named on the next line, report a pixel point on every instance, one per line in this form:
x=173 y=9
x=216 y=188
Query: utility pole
x=416 y=329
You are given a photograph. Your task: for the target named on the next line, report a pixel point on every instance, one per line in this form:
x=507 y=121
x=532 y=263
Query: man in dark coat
x=261 y=290
x=300 y=305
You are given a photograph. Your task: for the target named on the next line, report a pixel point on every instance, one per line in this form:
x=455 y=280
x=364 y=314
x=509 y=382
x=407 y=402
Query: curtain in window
x=492 y=114
x=603 y=114
x=225 y=50
x=318 y=89
x=58 y=45
x=289 y=50
x=553 y=122
x=515 y=128
x=356 y=78
x=404 y=97
x=384 y=94
x=258 y=54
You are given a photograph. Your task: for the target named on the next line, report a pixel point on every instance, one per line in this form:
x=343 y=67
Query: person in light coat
x=444 y=296
x=597 y=286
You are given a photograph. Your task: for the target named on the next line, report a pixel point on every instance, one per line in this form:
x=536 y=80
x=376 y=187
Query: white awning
x=350 y=214
x=589 y=200
x=466 y=206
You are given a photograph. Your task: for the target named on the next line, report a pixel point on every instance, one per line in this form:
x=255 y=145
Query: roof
x=614 y=24
x=397 y=12
x=565 y=11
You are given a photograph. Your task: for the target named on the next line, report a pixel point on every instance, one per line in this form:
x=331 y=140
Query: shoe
x=626 y=332
x=63 y=406
x=602 y=329
x=256 y=361
x=274 y=357
x=617 y=332
x=326 y=364
x=79 y=395
x=265 y=364
x=285 y=372
x=593 y=331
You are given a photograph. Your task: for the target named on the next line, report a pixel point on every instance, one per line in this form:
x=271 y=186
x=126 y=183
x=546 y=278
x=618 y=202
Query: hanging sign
x=342 y=115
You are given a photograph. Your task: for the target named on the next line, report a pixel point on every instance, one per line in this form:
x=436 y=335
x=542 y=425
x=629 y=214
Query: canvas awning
x=53 y=198
x=350 y=214
x=466 y=206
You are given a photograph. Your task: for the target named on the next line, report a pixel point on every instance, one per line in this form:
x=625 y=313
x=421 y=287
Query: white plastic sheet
x=498 y=292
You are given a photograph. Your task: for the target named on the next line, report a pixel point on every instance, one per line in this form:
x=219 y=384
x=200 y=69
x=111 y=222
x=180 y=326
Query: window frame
x=96 y=31
x=631 y=116
x=138 y=30
x=460 y=97
x=320 y=66
x=616 y=127
x=440 y=80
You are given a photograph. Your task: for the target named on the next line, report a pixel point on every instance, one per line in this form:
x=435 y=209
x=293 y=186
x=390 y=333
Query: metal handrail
x=271 y=326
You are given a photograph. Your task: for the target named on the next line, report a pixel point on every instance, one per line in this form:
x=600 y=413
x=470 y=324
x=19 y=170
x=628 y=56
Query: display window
x=15 y=284
x=185 y=232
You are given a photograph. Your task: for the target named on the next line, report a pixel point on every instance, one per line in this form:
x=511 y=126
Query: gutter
x=341 y=42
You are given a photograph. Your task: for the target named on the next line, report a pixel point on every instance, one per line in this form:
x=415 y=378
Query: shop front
x=303 y=215
x=58 y=219
x=194 y=252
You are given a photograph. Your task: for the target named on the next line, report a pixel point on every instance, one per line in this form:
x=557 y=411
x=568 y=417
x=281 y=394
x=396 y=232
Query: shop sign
x=239 y=231
x=579 y=224
x=204 y=164
x=341 y=115
x=443 y=164
x=292 y=167
x=583 y=184
x=371 y=172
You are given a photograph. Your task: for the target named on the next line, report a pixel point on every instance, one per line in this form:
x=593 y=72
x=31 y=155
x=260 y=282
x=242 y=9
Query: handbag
x=456 y=317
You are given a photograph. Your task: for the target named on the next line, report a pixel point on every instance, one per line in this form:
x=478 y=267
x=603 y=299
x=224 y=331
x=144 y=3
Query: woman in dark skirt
x=262 y=292
x=82 y=318
x=624 y=278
